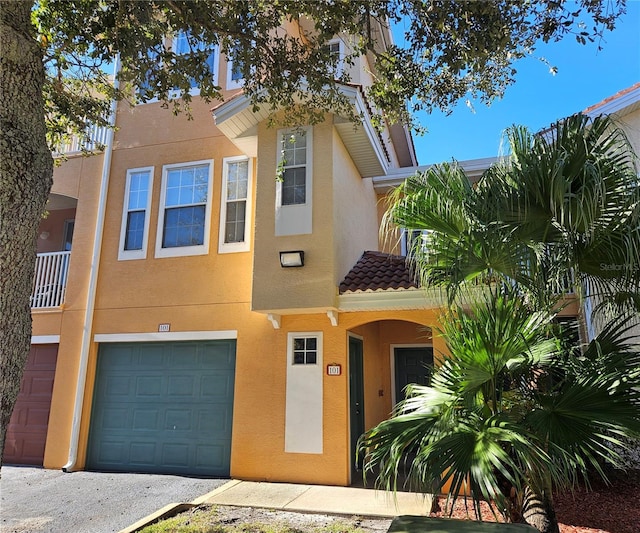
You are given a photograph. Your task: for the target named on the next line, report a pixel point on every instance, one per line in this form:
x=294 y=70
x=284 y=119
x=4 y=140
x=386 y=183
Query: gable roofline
x=238 y=120
x=473 y=168
x=621 y=103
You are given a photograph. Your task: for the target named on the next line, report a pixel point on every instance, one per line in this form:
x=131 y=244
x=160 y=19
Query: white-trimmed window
x=184 y=44
x=305 y=350
x=413 y=238
x=235 y=205
x=293 y=193
x=134 y=231
x=336 y=50
x=234 y=73
x=185 y=209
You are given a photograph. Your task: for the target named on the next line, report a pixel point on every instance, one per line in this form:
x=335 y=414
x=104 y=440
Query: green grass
x=206 y=520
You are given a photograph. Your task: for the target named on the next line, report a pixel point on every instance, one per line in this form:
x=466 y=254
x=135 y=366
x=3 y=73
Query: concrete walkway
x=303 y=499
x=318 y=499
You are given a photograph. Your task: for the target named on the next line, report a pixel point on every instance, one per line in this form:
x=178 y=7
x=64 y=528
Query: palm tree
x=509 y=416
x=560 y=213
x=509 y=411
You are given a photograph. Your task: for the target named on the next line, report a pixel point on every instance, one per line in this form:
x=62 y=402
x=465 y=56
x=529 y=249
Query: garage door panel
x=112 y=453
x=41 y=386
x=206 y=455
x=145 y=419
x=149 y=386
x=178 y=420
x=148 y=356
x=175 y=455
x=142 y=453
x=173 y=416
x=37 y=418
x=114 y=418
x=116 y=386
x=182 y=386
x=216 y=386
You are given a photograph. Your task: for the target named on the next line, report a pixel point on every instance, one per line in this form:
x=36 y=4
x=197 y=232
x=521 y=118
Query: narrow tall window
x=234 y=71
x=134 y=230
x=235 y=209
x=335 y=49
x=294 y=206
x=183 y=222
x=294 y=168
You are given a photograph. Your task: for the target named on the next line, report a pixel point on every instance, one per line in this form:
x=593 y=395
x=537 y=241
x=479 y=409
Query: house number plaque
x=334 y=369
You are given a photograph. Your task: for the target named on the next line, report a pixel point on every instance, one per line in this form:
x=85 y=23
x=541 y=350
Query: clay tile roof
x=378 y=271
x=619 y=94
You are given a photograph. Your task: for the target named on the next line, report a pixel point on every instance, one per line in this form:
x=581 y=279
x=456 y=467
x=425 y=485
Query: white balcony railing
x=75 y=144
x=50 y=280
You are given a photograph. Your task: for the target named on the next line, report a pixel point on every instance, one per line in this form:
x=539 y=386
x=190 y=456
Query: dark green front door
x=413 y=365
x=163 y=408
x=356 y=397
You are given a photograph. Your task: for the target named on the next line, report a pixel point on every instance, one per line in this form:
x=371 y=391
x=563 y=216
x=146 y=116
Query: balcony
x=50 y=280
x=76 y=144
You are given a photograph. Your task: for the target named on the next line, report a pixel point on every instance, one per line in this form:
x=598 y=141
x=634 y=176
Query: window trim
x=125 y=255
x=292 y=336
x=295 y=219
x=178 y=251
x=244 y=246
x=215 y=52
x=407 y=237
x=341 y=53
x=168 y=42
x=230 y=83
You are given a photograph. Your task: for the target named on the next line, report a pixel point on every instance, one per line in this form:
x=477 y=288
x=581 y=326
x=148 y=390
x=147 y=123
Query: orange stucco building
x=192 y=314
x=169 y=332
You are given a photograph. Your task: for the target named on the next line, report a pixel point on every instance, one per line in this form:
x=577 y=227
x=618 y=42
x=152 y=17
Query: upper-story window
x=336 y=50
x=134 y=230
x=185 y=44
x=182 y=44
x=294 y=188
x=294 y=168
x=185 y=209
x=234 y=72
x=412 y=238
x=235 y=209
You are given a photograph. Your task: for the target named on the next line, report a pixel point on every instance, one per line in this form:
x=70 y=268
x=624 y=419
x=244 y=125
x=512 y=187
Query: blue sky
x=585 y=76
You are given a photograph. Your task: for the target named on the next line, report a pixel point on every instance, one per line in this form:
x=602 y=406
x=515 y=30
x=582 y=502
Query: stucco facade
x=308 y=368
x=128 y=311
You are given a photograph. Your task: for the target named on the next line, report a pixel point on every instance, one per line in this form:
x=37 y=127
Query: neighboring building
x=173 y=330
x=624 y=107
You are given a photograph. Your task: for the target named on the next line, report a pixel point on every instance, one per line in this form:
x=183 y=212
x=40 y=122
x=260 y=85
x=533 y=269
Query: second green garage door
x=163 y=408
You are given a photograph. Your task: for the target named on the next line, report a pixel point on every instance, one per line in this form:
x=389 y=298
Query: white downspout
x=93 y=282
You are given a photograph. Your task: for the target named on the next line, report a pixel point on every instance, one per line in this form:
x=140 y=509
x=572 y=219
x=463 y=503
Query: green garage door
x=163 y=408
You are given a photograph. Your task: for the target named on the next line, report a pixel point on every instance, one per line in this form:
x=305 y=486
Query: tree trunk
x=537 y=511
x=26 y=174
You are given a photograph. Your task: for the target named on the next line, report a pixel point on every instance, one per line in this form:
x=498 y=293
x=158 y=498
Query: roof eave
x=383 y=300
x=238 y=119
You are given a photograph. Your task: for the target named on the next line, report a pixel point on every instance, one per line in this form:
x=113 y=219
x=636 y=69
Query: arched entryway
x=384 y=356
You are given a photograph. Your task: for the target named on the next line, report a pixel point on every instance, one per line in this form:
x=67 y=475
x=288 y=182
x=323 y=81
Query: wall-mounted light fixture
x=293 y=258
x=44 y=235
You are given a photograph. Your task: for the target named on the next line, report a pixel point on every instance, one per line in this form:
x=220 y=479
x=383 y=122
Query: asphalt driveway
x=38 y=500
